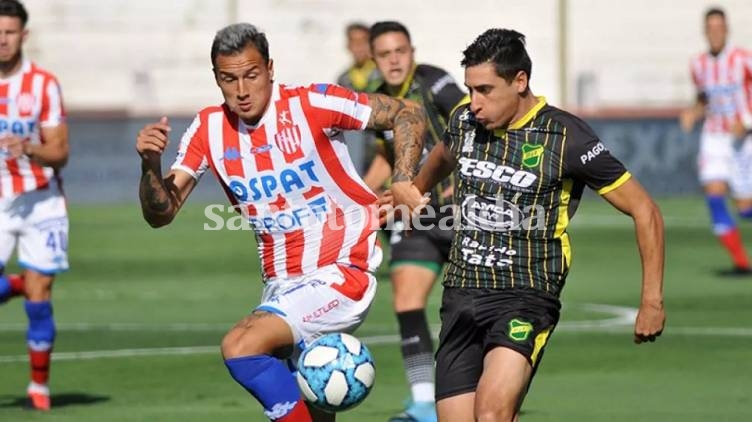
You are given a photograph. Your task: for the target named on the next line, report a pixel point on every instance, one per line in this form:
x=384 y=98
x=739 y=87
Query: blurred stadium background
x=142 y=312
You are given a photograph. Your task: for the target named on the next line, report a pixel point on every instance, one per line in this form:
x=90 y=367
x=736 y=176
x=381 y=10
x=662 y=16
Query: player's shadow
x=58 y=400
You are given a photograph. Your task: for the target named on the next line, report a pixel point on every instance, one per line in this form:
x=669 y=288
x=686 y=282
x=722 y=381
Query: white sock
x=423 y=392
x=38 y=388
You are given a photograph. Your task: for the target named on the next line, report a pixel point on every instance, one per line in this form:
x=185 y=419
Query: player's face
x=12 y=35
x=393 y=55
x=357 y=44
x=716 y=32
x=493 y=100
x=246 y=83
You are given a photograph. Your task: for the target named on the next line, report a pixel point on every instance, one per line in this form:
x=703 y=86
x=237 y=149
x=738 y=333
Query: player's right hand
x=153 y=139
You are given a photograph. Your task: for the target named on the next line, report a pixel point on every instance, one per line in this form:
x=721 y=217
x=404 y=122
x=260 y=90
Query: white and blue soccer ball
x=336 y=372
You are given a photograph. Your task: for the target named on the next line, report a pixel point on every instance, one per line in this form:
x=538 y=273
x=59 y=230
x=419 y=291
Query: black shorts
x=474 y=321
x=421 y=246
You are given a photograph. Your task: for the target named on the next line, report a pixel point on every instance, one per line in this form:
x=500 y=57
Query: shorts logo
x=531 y=155
x=519 y=330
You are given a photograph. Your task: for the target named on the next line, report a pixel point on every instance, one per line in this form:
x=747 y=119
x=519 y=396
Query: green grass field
x=142 y=312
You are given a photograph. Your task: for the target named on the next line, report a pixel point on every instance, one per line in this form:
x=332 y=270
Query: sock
x=417 y=354
x=10 y=286
x=725 y=228
x=40 y=337
x=271 y=383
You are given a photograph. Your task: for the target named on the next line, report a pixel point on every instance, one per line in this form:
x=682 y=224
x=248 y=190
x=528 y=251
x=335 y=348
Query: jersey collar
x=518 y=124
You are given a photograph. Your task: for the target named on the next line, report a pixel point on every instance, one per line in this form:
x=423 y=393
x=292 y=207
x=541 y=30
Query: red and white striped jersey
x=29 y=100
x=292 y=178
x=726 y=81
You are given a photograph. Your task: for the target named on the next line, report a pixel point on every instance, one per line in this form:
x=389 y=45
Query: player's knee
x=41 y=333
x=496 y=413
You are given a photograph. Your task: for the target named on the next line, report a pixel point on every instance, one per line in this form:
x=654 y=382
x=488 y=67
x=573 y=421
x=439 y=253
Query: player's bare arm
x=53 y=152
x=691 y=115
x=438 y=166
x=632 y=199
x=407 y=120
x=161 y=197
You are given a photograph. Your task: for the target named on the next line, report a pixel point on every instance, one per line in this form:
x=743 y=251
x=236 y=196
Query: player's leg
x=459 y=356
x=415 y=265
x=715 y=166
x=248 y=349
x=505 y=377
x=40 y=336
x=43 y=253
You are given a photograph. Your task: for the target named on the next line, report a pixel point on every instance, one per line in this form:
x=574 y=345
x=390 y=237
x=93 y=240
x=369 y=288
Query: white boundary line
x=621 y=322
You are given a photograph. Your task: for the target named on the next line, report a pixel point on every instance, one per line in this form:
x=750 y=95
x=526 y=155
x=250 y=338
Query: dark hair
x=15 y=9
x=715 y=11
x=505 y=48
x=356 y=26
x=234 y=38
x=381 y=28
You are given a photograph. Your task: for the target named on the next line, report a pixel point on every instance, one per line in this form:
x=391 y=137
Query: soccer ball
x=336 y=372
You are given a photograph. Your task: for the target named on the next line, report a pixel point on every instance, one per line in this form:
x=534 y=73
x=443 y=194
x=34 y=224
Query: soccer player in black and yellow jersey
x=416 y=260
x=521 y=166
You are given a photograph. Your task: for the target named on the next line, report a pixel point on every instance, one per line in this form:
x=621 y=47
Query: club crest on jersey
x=25 y=103
x=519 y=330
x=531 y=155
x=288 y=139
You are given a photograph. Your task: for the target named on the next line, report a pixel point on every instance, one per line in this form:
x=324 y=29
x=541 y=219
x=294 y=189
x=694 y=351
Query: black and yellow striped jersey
x=438 y=93
x=517 y=189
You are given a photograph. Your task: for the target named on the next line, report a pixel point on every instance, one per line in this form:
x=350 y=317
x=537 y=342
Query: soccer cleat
x=417 y=412
x=39 y=396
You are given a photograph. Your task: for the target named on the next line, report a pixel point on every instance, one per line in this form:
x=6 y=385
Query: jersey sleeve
x=52 y=112
x=192 y=157
x=589 y=161
x=695 y=71
x=458 y=125
x=445 y=91
x=744 y=93
x=336 y=107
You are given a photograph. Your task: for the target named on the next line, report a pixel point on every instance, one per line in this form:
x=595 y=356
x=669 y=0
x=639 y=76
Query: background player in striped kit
x=521 y=166
x=33 y=149
x=279 y=154
x=416 y=260
x=723 y=78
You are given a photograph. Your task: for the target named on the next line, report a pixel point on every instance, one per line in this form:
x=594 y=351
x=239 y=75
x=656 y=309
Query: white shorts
x=38 y=222
x=722 y=158
x=332 y=299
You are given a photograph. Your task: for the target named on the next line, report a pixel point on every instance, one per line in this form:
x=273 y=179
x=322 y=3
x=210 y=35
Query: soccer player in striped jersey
x=521 y=166
x=278 y=152
x=416 y=260
x=723 y=78
x=33 y=149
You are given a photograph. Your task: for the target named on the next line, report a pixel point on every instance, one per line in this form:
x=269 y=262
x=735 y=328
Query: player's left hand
x=650 y=321
x=13 y=146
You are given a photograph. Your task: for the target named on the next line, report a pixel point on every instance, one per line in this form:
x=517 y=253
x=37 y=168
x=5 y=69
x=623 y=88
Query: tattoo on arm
x=159 y=197
x=408 y=121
